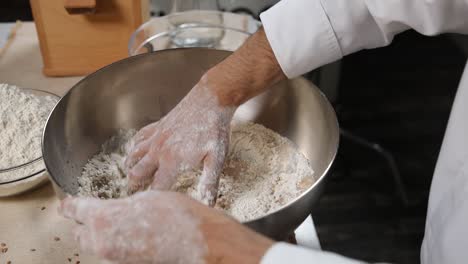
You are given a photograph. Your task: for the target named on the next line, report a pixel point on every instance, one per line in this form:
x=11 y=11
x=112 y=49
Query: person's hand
x=161 y=227
x=196 y=131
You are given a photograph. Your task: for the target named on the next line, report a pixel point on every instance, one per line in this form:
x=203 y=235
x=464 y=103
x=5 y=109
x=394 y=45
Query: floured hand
x=161 y=227
x=195 y=132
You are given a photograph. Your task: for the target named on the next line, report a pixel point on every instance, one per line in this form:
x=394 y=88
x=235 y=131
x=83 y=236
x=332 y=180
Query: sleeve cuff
x=281 y=253
x=300 y=35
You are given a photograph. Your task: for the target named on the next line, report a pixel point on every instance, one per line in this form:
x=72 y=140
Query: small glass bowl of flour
x=23 y=116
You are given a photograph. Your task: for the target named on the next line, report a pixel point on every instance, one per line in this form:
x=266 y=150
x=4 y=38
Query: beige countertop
x=29 y=224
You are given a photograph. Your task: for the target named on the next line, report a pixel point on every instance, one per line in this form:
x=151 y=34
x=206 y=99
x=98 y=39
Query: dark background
x=11 y=10
x=399 y=97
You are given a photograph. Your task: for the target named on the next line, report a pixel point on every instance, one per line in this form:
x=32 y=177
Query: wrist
x=228 y=84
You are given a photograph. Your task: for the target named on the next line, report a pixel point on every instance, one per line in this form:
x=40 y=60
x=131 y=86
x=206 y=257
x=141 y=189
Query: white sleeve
x=306 y=34
x=281 y=253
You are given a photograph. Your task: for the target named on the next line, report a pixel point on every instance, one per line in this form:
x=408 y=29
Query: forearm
x=230 y=243
x=249 y=71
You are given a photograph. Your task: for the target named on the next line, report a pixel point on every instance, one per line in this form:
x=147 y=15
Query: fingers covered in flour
x=141 y=175
x=141 y=144
x=97 y=242
x=165 y=176
x=136 y=154
x=145 y=133
x=79 y=209
x=148 y=227
x=207 y=188
x=196 y=130
x=85 y=239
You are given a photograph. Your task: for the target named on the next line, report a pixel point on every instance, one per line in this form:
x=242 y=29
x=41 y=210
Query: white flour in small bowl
x=23 y=116
x=263 y=171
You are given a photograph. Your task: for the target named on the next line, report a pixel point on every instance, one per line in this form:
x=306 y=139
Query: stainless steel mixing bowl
x=141 y=89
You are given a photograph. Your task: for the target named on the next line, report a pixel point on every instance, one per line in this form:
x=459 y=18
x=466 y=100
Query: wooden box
x=78 y=41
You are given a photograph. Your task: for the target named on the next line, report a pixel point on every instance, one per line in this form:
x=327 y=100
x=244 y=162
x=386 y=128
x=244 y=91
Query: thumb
x=207 y=189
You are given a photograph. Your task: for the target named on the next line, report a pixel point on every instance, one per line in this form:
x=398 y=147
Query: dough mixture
x=263 y=171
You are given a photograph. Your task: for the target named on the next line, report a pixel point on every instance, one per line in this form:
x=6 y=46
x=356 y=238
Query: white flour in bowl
x=22 y=120
x=263 y=172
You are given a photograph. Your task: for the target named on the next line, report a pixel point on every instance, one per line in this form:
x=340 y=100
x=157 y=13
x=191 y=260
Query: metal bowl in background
x=141 y=89
x=197 y=28
x=28 y=175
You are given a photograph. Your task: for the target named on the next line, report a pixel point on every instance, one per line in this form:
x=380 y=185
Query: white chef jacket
x=306 y=34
